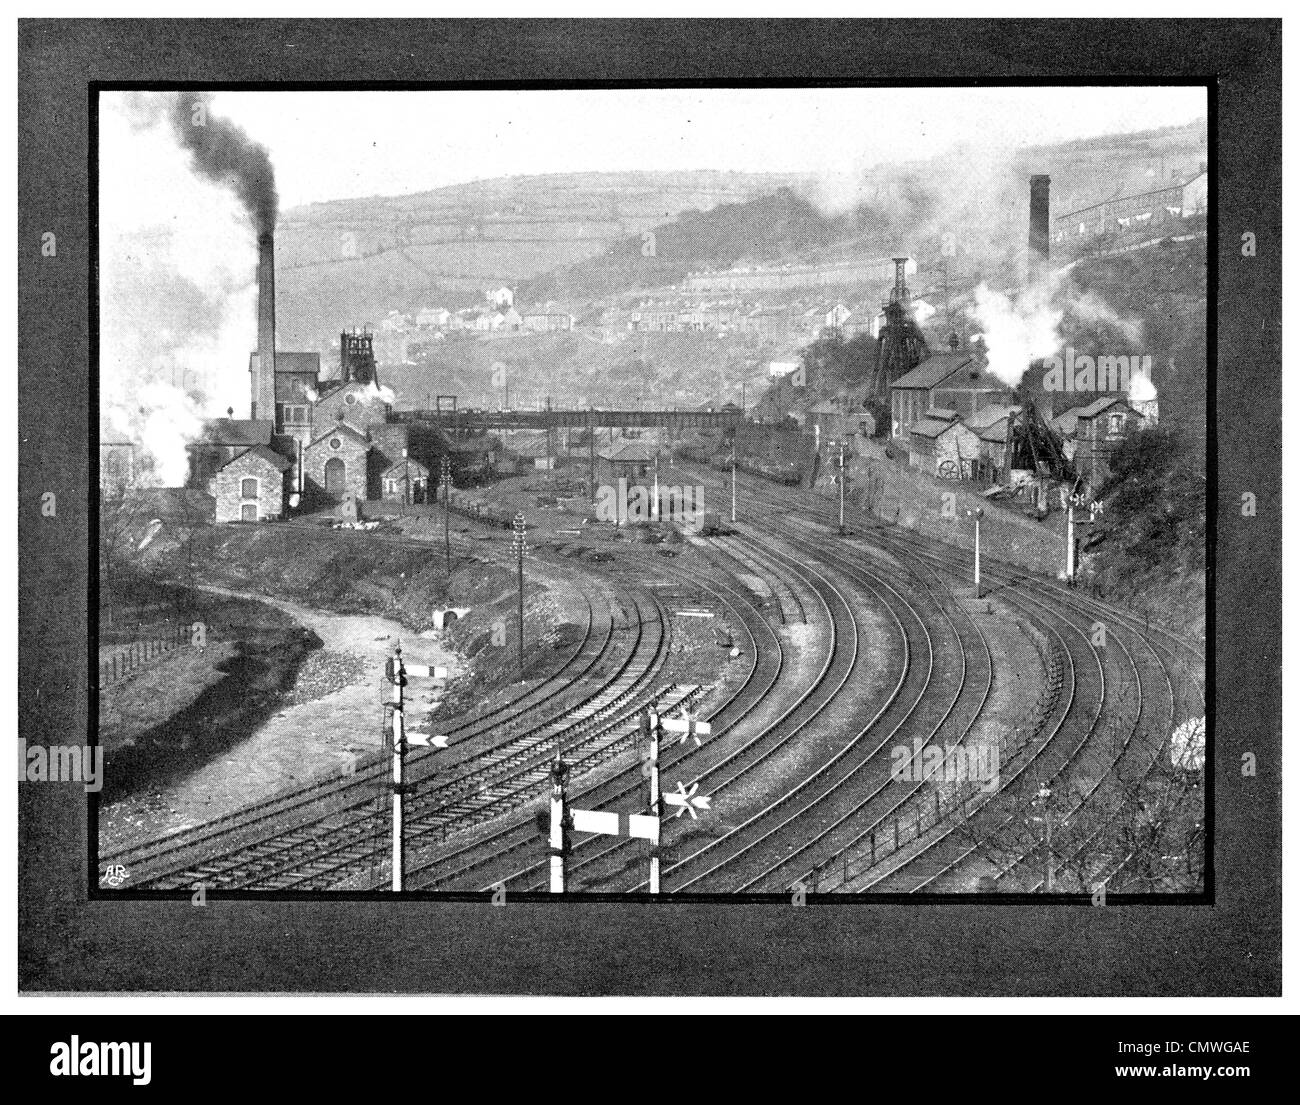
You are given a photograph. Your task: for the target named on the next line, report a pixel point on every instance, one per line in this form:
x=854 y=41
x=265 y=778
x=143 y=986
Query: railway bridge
x=477 y=421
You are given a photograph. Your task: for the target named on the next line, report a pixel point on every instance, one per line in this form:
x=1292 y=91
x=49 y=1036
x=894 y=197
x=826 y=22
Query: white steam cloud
x=1026 y=326
x=1017 y=331
x=1141 y=389
x=177 y=289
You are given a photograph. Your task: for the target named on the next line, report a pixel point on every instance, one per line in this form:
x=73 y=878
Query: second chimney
x=264 y=381
x=1039 y=215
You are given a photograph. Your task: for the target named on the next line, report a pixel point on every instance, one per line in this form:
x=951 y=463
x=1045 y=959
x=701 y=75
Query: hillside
x=676 y=369
x=963 y=216
x=781 y=227
x=351 y=261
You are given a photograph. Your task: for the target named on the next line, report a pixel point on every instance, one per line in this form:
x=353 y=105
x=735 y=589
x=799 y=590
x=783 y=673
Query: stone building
x=251 y=488
x=407 y=481
x=335 y=463
x=954 y=381
x=943 y=448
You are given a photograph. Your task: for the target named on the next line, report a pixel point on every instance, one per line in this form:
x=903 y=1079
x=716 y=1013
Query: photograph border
x=615 y=921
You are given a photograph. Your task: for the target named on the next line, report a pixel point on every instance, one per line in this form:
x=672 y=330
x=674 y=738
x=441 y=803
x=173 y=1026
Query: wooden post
x=650 y=728
x=1069 y=545
x=520 y=532
x=399 y=749
x=557 y=844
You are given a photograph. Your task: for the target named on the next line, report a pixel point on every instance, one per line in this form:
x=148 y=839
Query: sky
x=330 y=145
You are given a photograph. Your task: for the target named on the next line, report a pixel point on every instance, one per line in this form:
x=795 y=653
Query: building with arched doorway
x=335 y=462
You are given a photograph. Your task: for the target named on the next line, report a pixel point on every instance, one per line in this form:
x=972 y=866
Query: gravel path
x=335 y=709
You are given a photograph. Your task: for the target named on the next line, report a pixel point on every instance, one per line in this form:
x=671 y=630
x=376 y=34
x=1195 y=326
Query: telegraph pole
x=591 y=454
x=406 y=478
x=446 y=509
x=521 y=530
x=399 y=751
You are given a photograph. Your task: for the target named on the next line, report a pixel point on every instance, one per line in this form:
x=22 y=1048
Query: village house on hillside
x=548 y=320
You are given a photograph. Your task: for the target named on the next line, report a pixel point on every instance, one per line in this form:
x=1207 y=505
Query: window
x=248 y=488
x=1117 y=423
x=350 y=399
x=335 y=443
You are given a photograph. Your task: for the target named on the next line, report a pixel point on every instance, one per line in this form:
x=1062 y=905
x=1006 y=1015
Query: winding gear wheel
x=948 y=470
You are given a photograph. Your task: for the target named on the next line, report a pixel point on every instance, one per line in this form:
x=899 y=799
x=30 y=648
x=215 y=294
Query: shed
x=949 y=450
x=407 y=481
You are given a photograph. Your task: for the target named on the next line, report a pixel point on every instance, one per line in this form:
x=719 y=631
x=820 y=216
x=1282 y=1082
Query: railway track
x=1142 y=660
x=1105 y=716
x=495 y=860
x=600 y=671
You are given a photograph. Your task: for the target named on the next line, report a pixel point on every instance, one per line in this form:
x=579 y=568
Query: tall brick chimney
x=264 y=378
x=1039 y=216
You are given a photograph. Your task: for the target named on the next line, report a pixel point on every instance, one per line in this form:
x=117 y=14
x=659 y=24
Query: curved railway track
x=1103 y=721
x=495 y=861
x=233 y=851
x=1152 y=712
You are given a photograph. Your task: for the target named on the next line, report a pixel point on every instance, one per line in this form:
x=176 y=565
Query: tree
x=122 y=518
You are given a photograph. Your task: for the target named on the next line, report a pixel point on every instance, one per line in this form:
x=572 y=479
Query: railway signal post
x=397 y=673
x=559 y=844
x=1069 y=545
x=654 y=500
x=650 y=730
x=841 y=489
x=977 y=514
x=733 y=479
x=398 y=676
x=519 y=544
x=446 y=510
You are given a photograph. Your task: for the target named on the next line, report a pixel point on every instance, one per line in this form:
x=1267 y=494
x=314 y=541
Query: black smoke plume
x=223 y=153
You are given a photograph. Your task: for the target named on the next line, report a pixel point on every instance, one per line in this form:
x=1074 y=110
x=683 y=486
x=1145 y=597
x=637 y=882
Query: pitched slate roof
x=1098 y=405
x=338 y=428
x=401 y=468
x=995 y=431
x=932 y=427
x=1065 y=423
x=628 y=454
x=262 y=452
x=236 y=431
x=933 y=370
x=988 y=416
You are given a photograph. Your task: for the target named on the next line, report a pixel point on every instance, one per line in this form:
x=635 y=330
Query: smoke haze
x=224 y=154
x=177 y=266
